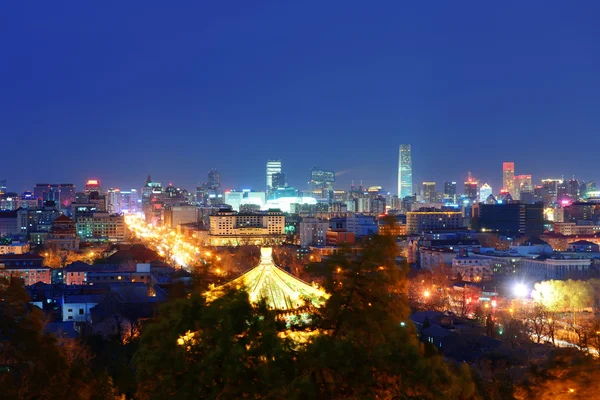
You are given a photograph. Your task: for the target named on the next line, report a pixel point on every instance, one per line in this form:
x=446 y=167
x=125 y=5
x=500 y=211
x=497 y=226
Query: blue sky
x=114 y=90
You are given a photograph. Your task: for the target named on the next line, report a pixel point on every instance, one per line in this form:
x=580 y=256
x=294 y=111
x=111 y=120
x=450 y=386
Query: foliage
x=54 y=258
x=568 y=374
x=232 y=350
x=33 y=364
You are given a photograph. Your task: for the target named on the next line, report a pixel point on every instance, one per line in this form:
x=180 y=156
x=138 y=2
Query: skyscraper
x=214 y=180
x=450 y=191
x=522 y=183
x=508 y=177
x=405 y=186
x=484 y=192
x=321 y=179
x=429 y=192
x=273 y=167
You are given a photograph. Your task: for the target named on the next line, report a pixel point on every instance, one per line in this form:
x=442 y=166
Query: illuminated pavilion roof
x=281 y=290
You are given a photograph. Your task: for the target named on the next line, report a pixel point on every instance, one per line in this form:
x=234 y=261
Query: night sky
x=116 y=89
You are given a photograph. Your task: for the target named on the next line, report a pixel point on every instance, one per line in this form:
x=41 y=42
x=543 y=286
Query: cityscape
x=279 y=202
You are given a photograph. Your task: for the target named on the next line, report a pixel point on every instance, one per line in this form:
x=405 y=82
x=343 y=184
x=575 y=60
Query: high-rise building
x=508 y=177
x=551 y=185
x=472 y=189
x=3 y=186
x=214 y=180
x=62 y=194
x=273 y=167
x=429 y=192
x=322 y=180
x=450 y=191
x=485 y=191
x=522 y=184
x=278 y=180
x=405 y=186
x=92 y=185
x=113 y=201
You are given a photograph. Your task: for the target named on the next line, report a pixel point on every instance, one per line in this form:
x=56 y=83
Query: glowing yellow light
x=426 y=294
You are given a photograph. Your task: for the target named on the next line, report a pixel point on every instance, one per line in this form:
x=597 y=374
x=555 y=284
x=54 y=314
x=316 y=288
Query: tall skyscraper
x=429 y=192
x=321 y=179
x=113 y=201
x=472 y=188
x=278 y=180
x=273 y=167
x=484 y=192
x=450 y=191
x=508 y=177
x=214 y=180
x=522 y=183
x=405 y=186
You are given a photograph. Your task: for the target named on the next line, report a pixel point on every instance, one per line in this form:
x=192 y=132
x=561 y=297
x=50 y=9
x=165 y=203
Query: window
x=81 y=311
x=70 y=310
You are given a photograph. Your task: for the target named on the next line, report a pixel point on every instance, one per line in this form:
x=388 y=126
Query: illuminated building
x=273 y=167
x=9 y=223
x=313 y=231
x=551 y=185
x=100 y=227
x=113 y=201
x=92 y=185
x=429 y=192
x=129 y=201
x=280 y=290
x=175 y=215
x=61 y=193
x=229 y=228
x=15 y=248
x=471 y=189
x=63 y=234
x=278 y=180
x=234 y=199
x=508 y=177
x=377 y=206
x=511 y=219
x=3 y=186
x=405 y=186
x=579 y=211
x=321 y=180
x=450 y=191
x=484 y=192
x=431 y=220
x=522 y=184
x=30 y=274
x=214 y=181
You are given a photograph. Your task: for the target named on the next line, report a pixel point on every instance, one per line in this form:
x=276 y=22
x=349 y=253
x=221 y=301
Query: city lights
x=520 y=290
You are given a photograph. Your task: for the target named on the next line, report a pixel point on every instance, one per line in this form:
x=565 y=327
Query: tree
x=32 y=364
x=362 y=326
x=226 y=349
x=568 y=374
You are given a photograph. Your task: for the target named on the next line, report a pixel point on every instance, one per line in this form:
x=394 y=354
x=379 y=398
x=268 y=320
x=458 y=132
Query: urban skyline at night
x=517 y=94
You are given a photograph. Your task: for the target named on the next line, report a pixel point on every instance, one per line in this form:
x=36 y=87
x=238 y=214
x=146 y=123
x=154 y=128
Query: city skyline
x=515 y=94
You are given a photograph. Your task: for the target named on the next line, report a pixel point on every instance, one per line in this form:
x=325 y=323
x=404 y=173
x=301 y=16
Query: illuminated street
x=176 y=249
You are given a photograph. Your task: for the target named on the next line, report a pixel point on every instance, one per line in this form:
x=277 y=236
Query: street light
x=426 y=294
x=520 y=290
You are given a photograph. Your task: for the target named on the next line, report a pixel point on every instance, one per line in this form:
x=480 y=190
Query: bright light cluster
x=166 y=242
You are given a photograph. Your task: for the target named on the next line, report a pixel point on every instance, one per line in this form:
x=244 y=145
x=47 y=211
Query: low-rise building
x=313 y=231
x=229 y=228
x=14 y=248
x=558 y=267
x=30 y=274
x=101 y=226
x=432 y=220
x=472 y=268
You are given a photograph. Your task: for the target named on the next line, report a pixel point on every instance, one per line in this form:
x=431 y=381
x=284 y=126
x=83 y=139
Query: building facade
x=405 y=185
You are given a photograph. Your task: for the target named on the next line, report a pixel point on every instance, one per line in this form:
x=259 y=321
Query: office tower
x=150 y=189
x=3 y=186
x=92 y=185
x=509 y=219
x=214 y=180
x=62 y=194
x=405 y=186
x=321 y=179
x=551 y=185
x=273 y=167
x=471 y=189
x=429 y=192
x=572 y=186
x=278 y=180
x=484 y=192
x=508 y=177
x=113 y=201
x=522 y=184
x=450 y=191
